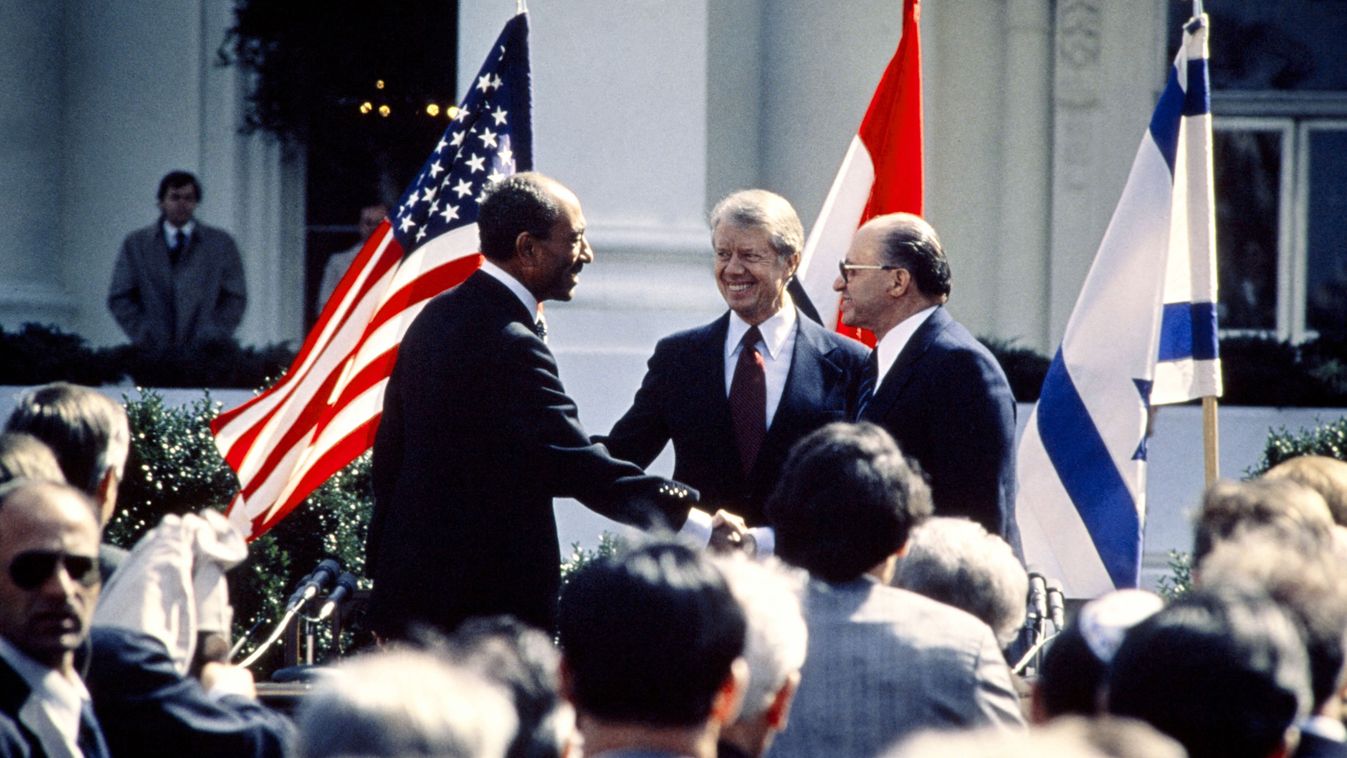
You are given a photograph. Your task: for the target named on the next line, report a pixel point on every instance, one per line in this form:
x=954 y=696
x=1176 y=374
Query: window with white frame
x=1279 y=102
x=1281 y=200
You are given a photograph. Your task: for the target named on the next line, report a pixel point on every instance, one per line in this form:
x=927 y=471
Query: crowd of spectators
x=875 y=630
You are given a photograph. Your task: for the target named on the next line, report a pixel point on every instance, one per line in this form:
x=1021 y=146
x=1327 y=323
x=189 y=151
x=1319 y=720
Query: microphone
x=313 y=584
x=1056 y=605
x=345 y=588
x=1038 y=597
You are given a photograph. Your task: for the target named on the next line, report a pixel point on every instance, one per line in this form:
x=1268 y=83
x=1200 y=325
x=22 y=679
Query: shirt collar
x=893 y=343
x=775 y=330
x=514 y=285
x=170 y=229
x=40 y=678
x=1325 y=727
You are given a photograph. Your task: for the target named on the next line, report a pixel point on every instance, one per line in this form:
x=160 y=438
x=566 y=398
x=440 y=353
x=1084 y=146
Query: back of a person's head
x=404 y=704
x=23 y=456
x=86 y=431
x=769 y=593
x=1305 y=580
x=1229 y=507
x=1075 y=665
x=649 y=636
x=846 y=501
x=1327 y=476
x=1222 y=671
x=959 y=563
x=1071 y=737
x=524 y=660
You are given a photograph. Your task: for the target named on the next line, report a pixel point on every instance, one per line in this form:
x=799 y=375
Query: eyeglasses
x=29 y=570
x=846 y=268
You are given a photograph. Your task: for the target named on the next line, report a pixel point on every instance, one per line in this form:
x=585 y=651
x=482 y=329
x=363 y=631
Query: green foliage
x=1025 y=368
x=609 y=545
x=174 y=467
x=1328 y=439
x=37 y=354
x=1180 y=578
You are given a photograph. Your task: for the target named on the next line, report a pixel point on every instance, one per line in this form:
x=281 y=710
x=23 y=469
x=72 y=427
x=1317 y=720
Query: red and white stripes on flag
x=881 y=173
x=323 y=413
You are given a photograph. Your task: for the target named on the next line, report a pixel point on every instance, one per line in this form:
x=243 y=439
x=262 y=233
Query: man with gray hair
x=734 y=395
x=405 y=704
x=770 y=595
x=90 y=436
x=959 y=563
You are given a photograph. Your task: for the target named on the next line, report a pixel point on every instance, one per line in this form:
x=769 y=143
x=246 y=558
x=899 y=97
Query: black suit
x=946 y=401
x=683 y=399
x=477 y=437
x=148 y=708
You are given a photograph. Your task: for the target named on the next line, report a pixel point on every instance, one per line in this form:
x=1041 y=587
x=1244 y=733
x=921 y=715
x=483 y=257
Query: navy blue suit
x=477 y=436
x=946 y=401
x=682 y=399
x=148 y=708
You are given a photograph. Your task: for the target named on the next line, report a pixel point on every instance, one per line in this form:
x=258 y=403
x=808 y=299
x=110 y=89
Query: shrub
x=174 y=467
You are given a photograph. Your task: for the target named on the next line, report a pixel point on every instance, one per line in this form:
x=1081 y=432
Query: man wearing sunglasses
x=931 y=384
x=49 y=584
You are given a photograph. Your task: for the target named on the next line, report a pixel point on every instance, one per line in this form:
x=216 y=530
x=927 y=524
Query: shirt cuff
x=697 y=528
x=765 y=536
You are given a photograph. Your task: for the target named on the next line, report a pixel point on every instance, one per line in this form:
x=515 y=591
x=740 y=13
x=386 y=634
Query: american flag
x=323 y=413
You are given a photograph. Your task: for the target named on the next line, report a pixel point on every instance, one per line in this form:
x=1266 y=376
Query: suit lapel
x=810 y=371
x=903 y=368
x=706 y=372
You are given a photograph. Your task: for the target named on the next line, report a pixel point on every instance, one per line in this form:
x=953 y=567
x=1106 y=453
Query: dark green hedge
x=174 y=467
x=1257 y=371
x=38 y=354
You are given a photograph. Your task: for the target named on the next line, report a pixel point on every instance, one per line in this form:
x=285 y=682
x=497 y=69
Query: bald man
x=49 y=585
x=932 y=385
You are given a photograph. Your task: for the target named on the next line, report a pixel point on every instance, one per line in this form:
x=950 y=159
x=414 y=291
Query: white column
x=31 y=40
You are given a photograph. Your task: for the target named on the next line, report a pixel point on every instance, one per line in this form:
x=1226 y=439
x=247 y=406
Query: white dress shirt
x=52 y=710
x=893 y=343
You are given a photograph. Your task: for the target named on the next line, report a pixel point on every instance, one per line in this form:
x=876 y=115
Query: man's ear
x=524 y=247
x=778 y=712
x=902 y=282
x=730 y=696
x=106 y=495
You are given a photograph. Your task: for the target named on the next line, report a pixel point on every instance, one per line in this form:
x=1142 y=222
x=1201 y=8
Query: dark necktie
x=540 y=328
x=868 y=381
x=90 y=740
x=748 y=399
x=179 y=244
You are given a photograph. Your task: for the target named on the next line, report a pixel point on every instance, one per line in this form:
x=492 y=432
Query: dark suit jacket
x=683 y=399
x=16 y=739
x=948 y=404
x=147 y=708
x=1314 y=746
x=477 y=437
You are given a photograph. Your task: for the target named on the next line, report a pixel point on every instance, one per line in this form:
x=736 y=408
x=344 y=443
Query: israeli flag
x=1143 y=333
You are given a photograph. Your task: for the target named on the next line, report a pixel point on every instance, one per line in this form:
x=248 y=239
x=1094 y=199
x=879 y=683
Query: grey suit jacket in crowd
x=161 y=306
x=885 y=663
